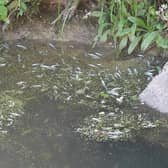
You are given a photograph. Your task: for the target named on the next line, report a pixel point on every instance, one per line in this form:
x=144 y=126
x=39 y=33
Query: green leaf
x=103 y=95
x=139 y=22
x=148 y=39
x=134 y=44
x=104 y=36
x=96 y=13
x=2 y=2
x=123 y=43
x=162 y=42
x=22 y=9
x=133 y=31
x=119 y=27
x=125 y=32
x=3 y=13
x=23 y=6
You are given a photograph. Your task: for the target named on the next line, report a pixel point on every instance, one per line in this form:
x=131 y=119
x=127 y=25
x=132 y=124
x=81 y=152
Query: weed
x=131 y=24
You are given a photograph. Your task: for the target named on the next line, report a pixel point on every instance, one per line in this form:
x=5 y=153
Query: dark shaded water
x=44 y=136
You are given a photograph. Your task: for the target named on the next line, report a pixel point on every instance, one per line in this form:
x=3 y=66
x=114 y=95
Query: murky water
x=50 y=88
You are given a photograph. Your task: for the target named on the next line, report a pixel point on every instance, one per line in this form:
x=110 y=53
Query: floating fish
x=21 y=46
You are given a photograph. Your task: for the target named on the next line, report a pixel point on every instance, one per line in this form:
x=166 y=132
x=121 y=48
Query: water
x=54 y=87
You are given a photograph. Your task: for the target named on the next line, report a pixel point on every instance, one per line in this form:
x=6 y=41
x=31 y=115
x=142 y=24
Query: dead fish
x=120 y=99
x=21 y=46
x=2 y=65
x=91 y=65
x=103 y=83
x=36 y=64
x=98 y=54
x=36 y=86
x=94 y=56
x=113 y=92
x=19 y=58
x=21 y=83
x=49 y=67
x=52 y=45
x=117 y=75
x=96 y=119
x=5 y=45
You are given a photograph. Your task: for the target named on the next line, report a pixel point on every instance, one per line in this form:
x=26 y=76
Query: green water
x=47 y=89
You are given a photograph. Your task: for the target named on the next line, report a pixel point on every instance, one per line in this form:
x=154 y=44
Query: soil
x=40 y=27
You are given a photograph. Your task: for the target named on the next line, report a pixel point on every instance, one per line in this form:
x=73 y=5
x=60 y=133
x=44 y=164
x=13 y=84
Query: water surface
x=58 y=86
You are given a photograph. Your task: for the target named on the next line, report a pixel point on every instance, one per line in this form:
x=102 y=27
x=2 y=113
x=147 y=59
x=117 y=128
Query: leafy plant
x=130 y=24
x=3 y=11
x=15 y=7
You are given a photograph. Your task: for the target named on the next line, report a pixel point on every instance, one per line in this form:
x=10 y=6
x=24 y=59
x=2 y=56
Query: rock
x=155 y=94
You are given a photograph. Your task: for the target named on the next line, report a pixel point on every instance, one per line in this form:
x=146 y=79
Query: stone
x=155 y=95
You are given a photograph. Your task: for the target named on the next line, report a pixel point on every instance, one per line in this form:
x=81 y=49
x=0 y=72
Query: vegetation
x=132 y=23
x=129 y=23
x=7 y=8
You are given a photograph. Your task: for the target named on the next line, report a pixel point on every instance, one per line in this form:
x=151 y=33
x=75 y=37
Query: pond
x=52 y=95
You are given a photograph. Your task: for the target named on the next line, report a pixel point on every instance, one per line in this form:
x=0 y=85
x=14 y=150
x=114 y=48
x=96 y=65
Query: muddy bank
x=79 y=30
x=40 y=27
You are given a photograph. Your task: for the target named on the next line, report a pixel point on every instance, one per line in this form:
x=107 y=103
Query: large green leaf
x=148 y=39
x=2 y=2
x=134 y=44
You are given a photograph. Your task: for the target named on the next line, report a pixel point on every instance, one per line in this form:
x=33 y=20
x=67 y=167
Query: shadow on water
x=44 y=136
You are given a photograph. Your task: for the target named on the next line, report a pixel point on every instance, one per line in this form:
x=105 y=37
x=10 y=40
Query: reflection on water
x=44 y=136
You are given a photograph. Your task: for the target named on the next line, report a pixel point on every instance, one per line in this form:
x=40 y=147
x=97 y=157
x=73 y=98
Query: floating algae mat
x=52 y=94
